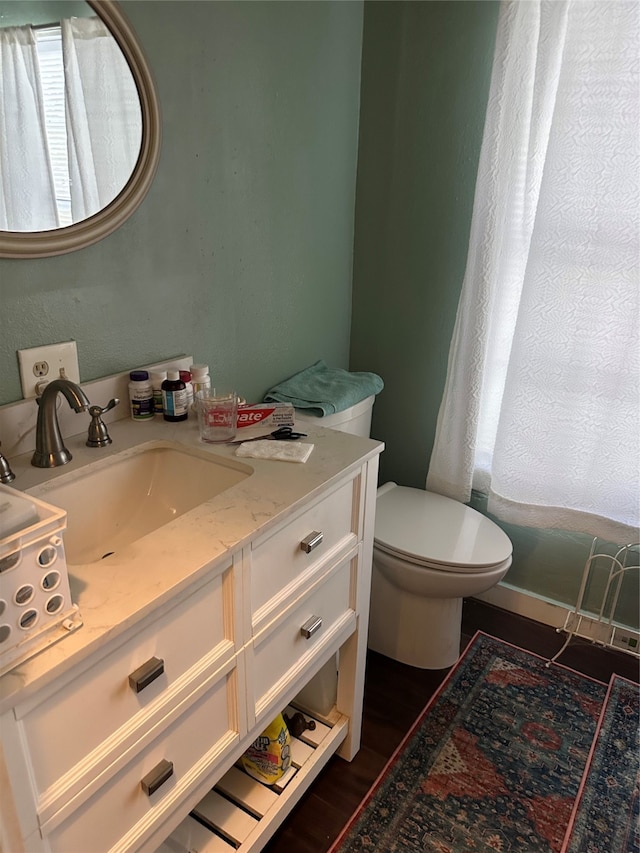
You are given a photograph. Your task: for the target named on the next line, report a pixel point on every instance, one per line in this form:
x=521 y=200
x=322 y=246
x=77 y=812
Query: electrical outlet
x=626 y=639
x=43 y=364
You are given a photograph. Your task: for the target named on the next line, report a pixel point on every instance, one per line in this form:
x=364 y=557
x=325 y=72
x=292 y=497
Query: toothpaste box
x=258 y=418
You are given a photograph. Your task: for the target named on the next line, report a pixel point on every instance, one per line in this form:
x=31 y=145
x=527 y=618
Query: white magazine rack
x=607 y=566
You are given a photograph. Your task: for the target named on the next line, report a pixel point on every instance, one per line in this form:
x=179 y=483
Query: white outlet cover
x=62 y=356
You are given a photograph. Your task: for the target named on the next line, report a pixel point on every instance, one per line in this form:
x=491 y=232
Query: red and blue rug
x=496 y=762
x=606 y=815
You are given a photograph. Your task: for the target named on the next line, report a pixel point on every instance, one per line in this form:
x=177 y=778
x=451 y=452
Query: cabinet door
x=284 y=653
x=158 y=780
x=285 y=561
x=74 y=733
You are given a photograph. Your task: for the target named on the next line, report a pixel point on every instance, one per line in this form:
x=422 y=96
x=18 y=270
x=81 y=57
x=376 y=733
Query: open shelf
x=240 y=813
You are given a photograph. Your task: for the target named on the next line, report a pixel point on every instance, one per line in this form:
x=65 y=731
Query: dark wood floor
x=394 y=696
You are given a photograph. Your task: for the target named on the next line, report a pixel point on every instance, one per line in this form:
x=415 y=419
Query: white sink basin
x=116 y=501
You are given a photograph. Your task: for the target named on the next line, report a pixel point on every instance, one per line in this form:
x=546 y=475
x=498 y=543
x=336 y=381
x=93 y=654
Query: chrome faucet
x=50 y=451
x=6 y=474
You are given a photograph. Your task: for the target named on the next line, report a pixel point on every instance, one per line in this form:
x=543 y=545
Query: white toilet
x=429 y=552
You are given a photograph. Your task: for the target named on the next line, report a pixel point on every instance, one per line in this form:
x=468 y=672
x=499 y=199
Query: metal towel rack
x=608 y=565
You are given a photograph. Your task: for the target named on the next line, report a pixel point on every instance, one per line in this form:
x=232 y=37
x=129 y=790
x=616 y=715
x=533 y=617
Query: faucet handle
x=96 y=410
x=98 y=435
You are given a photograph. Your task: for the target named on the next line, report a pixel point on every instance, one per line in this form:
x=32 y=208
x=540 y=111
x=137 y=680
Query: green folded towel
x=324 y=390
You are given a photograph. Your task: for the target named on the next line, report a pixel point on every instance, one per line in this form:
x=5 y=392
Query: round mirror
x=100 y=157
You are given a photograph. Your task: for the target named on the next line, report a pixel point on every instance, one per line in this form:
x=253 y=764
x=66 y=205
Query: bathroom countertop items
x=325 y=390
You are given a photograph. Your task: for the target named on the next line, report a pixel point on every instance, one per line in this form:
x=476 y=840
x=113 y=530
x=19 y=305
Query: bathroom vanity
x=194 y=637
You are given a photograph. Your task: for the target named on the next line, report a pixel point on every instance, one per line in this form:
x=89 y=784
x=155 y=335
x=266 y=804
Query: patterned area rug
x=606 y=816
x=494 y=763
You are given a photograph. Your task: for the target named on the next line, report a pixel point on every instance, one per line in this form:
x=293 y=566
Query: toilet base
x=418 y=631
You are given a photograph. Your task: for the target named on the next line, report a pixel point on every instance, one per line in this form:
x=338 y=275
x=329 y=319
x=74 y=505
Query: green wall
x=425 y=82
x=241 y=254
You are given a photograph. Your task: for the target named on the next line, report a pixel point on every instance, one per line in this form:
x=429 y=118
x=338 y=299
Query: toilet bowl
x=429 y=553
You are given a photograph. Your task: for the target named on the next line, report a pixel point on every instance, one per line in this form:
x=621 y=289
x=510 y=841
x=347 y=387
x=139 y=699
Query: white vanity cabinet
x=117 y=752
x=109 y=746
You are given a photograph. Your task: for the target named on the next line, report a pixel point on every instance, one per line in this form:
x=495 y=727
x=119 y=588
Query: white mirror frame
x=44 y=244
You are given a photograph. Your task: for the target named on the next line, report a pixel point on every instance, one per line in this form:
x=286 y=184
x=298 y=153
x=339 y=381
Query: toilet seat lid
x=426 y=527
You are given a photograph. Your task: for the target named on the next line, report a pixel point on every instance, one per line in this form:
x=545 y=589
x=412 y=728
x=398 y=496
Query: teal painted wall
x=241 y=254
x=425 y=81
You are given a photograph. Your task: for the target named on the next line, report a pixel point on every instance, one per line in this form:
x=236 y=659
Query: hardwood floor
x=394 y=696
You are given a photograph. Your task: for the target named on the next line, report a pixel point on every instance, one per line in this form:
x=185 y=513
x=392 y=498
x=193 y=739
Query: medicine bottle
x=140 y=395
x=185 y=375
x=200 y=380
x=157 y=378
x=174 y=397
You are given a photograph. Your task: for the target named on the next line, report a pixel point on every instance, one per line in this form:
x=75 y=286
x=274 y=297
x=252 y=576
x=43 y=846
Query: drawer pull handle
x=145 y=674
x=157 y=777
x=311 y=541
x=311 y=626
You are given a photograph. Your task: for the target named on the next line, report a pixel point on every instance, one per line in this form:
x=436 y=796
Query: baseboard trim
x=563 y=618
x=526 y=604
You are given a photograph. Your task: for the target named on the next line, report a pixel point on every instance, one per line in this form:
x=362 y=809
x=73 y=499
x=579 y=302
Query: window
x=541 y=406
x=49 y=48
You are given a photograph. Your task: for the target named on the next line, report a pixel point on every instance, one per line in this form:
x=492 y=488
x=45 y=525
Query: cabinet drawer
x=282 y=653
x=205 y=733
x=101 y=702
x=279 y=563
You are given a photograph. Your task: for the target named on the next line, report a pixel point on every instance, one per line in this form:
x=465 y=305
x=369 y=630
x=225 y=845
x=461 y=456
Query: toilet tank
x=356 y=419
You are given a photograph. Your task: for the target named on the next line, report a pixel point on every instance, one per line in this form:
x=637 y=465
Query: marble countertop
x=113 y=596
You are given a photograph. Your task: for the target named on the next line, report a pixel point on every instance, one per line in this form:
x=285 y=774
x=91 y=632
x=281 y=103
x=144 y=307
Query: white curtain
x=27 y=192
x=104 y=119
x=541 y=407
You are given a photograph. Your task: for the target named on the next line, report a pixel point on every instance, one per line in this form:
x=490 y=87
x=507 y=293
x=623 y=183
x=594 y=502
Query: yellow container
x=269 y=756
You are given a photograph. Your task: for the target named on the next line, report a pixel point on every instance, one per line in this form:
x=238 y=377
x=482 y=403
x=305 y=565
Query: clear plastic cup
x=217 y=414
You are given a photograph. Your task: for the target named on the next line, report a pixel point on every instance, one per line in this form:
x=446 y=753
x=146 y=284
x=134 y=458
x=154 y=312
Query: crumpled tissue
x=285 y=451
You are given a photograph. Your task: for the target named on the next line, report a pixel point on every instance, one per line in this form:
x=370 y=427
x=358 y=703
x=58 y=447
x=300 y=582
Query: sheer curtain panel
x=27 y=192
x=104 y=117
x=541 y=408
